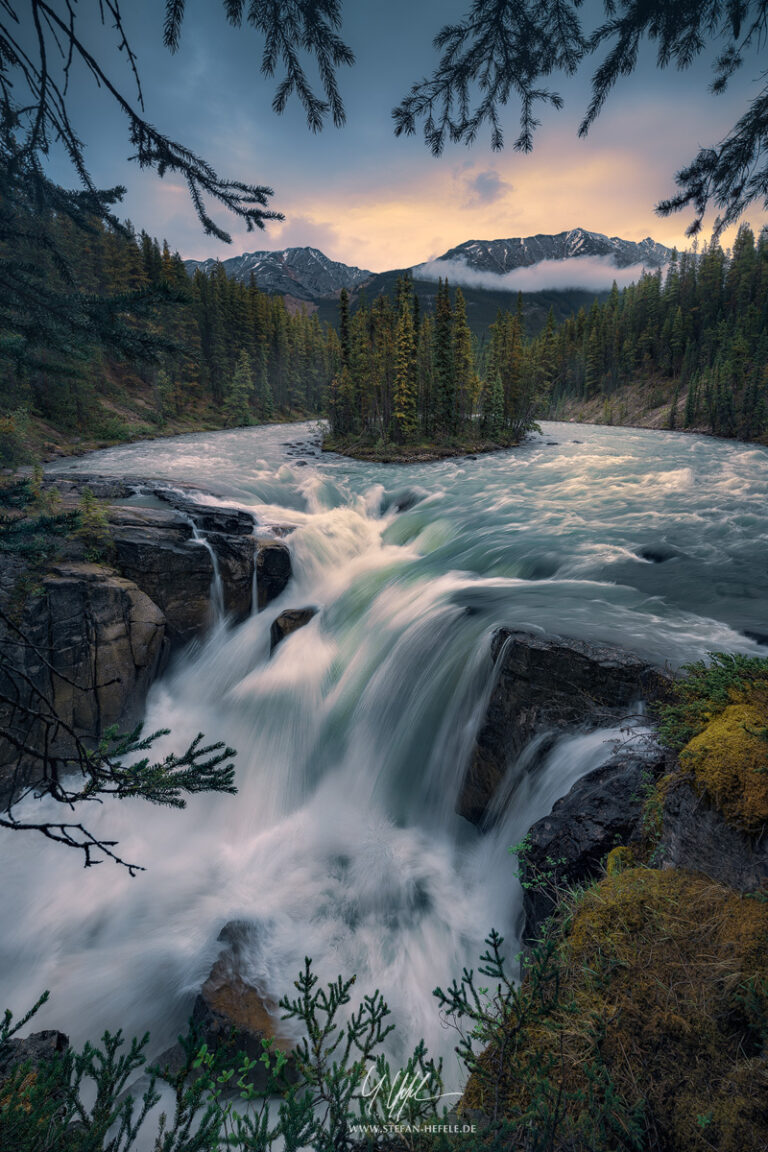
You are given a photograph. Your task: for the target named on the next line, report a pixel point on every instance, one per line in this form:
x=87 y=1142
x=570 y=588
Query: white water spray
x=353 y=736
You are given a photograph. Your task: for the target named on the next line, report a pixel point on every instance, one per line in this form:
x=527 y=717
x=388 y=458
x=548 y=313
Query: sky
x=358 y=193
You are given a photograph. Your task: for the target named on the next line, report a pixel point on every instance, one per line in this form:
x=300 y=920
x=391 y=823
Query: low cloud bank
x=596 y=273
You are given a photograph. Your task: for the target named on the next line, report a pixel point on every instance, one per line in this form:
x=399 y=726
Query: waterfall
x=353 y=736
x=217 y=588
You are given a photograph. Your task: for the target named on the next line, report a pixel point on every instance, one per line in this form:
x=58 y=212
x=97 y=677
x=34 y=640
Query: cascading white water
x=352 y=738
x=217 y=588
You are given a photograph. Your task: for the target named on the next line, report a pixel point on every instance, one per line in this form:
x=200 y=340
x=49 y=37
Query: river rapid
x=342 y=843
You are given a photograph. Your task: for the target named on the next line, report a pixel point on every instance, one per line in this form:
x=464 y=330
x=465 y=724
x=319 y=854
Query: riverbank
x=647 y=405
x=25 y=439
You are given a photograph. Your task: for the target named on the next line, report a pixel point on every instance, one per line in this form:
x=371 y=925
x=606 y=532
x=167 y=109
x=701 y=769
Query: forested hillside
x=694 y=339
x=688 y=345
x=208 y=351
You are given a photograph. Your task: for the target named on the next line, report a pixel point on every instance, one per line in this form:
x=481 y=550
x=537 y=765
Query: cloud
x=299 y=231
x=592 y=272
x=486 y=187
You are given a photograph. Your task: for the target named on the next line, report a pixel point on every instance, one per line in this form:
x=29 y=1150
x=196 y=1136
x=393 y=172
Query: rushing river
x=342 y=843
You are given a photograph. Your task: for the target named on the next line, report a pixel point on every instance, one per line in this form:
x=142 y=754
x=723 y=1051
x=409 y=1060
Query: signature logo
x=394 y=1095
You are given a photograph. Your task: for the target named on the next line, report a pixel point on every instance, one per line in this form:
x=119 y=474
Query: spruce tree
x=445 y=390
x=239 y=393
x=405 y=417
x=466 y=383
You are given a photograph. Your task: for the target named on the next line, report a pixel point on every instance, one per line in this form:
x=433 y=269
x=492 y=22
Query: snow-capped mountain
x=523 y=251
x=308 y=275
x=305 y=273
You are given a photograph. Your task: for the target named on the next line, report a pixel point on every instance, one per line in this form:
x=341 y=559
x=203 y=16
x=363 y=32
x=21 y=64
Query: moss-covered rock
x=729 y=762
x=661 y=1005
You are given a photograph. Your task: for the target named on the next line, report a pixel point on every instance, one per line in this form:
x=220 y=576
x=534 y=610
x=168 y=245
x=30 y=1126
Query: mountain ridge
x=506 y=255
x=307 y=274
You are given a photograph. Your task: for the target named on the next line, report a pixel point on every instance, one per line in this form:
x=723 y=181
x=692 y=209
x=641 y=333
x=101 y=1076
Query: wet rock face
x=602 y=810
x=273 y=570
x=287 y=622
x=696 y=837
x=548 y=684
x=96 y=644
x=207 y=517
x=236 y=556
x=175 y=570
x=159 y=552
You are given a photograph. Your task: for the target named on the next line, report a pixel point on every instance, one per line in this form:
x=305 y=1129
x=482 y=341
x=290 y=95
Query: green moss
x=705 y=691
x=618 y=859
x=663 y=988
x=729 y=762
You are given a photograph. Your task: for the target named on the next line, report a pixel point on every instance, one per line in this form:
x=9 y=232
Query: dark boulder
x=696 y=837
x=273 y=570
x=287 y=622
x=658 y=553
x=548 y=684
x=236 y=556
x=35 y=1050
x=602 y=810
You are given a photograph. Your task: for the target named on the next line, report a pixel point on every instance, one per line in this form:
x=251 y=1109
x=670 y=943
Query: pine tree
x=445 y=390
x=239 y=393
x=405 y=418
x=466 y=383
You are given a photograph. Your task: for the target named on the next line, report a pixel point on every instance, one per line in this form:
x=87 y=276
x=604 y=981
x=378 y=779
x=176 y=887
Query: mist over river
x=342 y=843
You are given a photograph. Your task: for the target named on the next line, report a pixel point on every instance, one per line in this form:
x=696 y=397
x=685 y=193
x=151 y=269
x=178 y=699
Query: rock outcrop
x=157 y=551
x=93 y=644
x=287 y=622
x=163 y=555
x=95 y=635
x=229 y=1013
x=547 y=685
x=695 y=836
x=34 y=1050
x=569 y=846
x=273 y=570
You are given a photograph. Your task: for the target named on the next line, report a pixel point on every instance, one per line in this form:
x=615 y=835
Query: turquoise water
x=352 y=739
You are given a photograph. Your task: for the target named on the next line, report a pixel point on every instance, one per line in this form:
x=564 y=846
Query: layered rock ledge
x=91 y=638
x=547 y=685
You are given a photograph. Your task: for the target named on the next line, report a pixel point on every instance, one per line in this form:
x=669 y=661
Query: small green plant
x=93 y=529
x=44 y=501
x=336 y=1092
x=705 y=691
x=14 y=429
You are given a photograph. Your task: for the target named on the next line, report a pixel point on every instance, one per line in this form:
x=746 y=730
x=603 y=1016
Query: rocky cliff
x=545 y=685
x=85 y=636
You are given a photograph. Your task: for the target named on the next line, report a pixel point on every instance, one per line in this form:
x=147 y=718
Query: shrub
x=641 y=1019
x=14 y=428
x=705 y=691
x=93 y=529
x=318 y=1106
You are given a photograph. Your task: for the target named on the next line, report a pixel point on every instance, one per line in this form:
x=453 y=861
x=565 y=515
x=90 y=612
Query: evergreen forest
x=391 y=376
